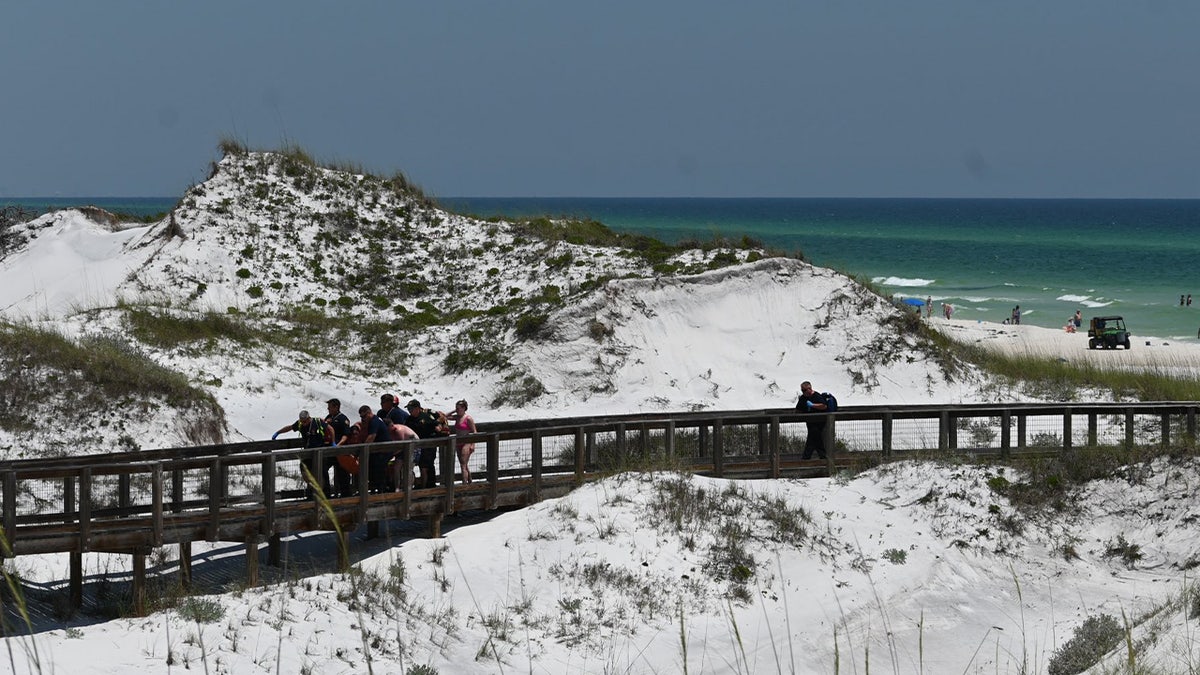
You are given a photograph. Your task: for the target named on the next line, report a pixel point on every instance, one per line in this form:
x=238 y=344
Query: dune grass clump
x=31 y=357
x=1095 y=637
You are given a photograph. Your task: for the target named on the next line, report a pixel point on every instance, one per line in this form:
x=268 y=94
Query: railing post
x=85 y=508
x=10 y=508
x=1093 y=429
x=1166 y=429
x=702 y=441
x=669 y=438
x=449 y=453
x=943 y=430
x=177 y=491
x=156 y=488
x=622 y=452
x=592 y=457
x=580 y=449
x=68 y=498
x=886 y=434
x=773 y=441
x=1022 y=424
x=1005 y=433
x=1066 y=437
x=718 y=440
x=764 y=445
x=1129 y=429
x=76 y=582
x=268 y=488
x=364 y=484
x=535 y=443
x=493 y=469
x=214 y=500
x=123 y=492
x=407 y=455
x=1191 y=423
x=829 y=440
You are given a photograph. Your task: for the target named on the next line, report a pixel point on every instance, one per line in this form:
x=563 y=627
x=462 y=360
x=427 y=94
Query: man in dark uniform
x=316 y=435
x=427 y=424
x=340 y=425
x=375 y=431
x=813 y=402
x=388 y=410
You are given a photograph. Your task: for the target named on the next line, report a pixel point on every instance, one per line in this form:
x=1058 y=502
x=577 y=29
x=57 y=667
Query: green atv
x=1107 y=332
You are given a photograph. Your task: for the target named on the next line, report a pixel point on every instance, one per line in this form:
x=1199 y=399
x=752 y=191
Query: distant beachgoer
x=1016 y=315
x=1189 y=302
x=1078 y=320
x=1181 y=301
x=947 y=310
x=1070 y=327
x=928 y=306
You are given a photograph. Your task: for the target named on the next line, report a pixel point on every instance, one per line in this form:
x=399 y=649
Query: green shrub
x=202 y=610
x=896 y=556
x=489 y=357
x=1097 y=636
x=531 y=325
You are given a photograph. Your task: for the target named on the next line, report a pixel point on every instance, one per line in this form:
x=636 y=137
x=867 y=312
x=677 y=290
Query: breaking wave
x=901 y=281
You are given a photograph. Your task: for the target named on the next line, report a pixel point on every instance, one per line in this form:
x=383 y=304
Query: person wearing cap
x=316 y=434
x=427 y=425
x=339 y=424
x=389 y=410
x=374 y=430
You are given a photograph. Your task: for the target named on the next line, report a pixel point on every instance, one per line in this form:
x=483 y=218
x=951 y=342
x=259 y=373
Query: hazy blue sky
x=1067 y=98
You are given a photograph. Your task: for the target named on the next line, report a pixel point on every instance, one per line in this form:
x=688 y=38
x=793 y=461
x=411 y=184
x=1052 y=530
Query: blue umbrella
x=914 y=301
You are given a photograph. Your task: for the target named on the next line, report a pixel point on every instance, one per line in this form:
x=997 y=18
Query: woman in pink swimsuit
x=463 y=424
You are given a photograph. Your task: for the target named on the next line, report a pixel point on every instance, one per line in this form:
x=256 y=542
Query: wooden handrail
x=556 y=453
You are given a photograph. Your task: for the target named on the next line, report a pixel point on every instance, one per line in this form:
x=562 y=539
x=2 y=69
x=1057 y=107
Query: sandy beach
x=1145 y=352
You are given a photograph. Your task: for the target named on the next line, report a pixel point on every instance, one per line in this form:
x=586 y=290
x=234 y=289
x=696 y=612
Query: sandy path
x=1037 y=341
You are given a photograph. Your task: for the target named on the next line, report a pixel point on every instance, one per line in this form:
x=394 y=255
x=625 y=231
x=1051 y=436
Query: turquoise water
x=1052 y=257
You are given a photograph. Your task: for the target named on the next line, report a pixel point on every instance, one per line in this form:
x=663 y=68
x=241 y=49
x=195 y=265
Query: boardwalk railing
x=132 y=502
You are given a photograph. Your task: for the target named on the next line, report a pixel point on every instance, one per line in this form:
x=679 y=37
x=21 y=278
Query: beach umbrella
x=914 y=301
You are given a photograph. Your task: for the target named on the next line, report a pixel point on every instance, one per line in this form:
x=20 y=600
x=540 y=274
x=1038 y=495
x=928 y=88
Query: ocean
x=983 y=256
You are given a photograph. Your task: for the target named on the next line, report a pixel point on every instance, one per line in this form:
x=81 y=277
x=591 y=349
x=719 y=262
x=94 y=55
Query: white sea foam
x=901 y=281
x=1074 y=298
x=1096 y=303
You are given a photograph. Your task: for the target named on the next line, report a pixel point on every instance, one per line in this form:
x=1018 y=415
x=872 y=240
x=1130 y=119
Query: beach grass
x=1165 y=379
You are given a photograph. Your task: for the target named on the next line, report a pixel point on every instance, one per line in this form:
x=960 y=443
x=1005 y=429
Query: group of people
x=1074 y=322
x=389 y=423
x=1188 y=302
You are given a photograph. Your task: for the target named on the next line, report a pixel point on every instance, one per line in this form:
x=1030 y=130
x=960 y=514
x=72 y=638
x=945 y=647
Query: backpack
x=830 y=402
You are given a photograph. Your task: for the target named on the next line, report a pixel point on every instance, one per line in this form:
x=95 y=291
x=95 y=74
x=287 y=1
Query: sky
x=699 y=99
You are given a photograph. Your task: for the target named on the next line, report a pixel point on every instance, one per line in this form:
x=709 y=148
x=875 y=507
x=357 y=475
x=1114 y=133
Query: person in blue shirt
x=375 y=431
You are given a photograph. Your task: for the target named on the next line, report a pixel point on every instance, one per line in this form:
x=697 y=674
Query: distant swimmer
x=1181 y=301
x=1189 y=302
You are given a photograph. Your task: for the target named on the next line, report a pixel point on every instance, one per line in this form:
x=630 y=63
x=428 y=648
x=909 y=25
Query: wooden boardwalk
x=253 y=494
